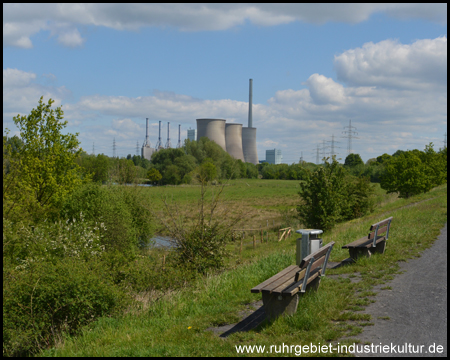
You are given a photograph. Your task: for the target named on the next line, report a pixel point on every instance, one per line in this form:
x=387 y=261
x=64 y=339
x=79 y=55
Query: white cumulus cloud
x=391 y=64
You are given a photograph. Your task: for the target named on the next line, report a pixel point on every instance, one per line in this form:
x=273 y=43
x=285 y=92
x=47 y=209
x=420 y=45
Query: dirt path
x=415 y=310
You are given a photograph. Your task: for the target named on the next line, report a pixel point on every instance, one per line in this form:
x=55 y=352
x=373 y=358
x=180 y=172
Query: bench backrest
x=379 y=228
x=313 y=261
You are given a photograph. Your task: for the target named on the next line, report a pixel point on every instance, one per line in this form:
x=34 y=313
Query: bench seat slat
x=292 y=279
x=286 y=278
x=363 y=242
x=258 y=288
x=381 y=223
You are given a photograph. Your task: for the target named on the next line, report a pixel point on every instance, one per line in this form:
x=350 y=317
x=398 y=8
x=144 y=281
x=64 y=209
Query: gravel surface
x=416 y=307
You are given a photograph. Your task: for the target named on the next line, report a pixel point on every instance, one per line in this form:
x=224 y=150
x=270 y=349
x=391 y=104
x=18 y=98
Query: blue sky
x=314 y=67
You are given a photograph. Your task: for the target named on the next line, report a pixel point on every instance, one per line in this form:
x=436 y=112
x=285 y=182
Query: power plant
x=238 y=141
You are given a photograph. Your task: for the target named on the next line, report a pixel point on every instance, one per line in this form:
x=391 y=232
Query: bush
x=200 y=247
x=53 y=282
x=46 y=299
x=359 y=198
x=201 y=250
x=120 y=208
x=330 y=195
x=322 y=194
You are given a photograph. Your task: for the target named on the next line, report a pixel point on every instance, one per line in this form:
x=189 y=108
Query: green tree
x=207 y=171
x=154 y=175
x=382 y=158
x=436 y=163
x=95 y=166
x=406 y=175
x=322 y=193
x=45 y=168
x=353 y=160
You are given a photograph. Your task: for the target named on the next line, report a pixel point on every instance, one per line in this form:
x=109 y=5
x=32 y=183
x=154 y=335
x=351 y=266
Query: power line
x=350 y=136
x=332 y=152
x=317 y=155
x=324 y=147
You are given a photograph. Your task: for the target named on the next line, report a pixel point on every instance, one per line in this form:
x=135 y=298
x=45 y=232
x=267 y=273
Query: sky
x=315 y=68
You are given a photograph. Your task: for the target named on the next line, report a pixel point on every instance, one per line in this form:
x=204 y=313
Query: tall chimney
x=146 y=132
x=250 y=100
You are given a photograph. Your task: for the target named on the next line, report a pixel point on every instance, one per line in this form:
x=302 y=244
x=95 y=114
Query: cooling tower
x=249 y=145
x=213 y=129
x=233 y=139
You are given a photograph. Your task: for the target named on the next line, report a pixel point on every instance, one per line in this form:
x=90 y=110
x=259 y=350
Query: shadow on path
x=249 y=323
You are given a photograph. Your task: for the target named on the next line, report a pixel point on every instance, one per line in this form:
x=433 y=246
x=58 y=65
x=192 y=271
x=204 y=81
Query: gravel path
x=416 y=307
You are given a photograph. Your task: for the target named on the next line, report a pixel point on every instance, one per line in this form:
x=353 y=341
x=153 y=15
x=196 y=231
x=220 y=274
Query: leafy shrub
x=322 y=194
x=200 y=250
x=359 y=198
x=120 y=208
x=53 y=282
x=330 y=195
x=46 y=299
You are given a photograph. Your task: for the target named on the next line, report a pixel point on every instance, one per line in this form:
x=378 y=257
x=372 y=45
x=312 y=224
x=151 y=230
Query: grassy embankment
x=176 y=324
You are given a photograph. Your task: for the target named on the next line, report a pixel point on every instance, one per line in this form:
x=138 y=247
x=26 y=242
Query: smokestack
x=168 y=144
x=159 y=144
x=146 y=132
x=250 y=101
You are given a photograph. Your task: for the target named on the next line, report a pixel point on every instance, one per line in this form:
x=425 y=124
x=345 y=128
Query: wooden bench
x=374 y=242
x=280 y=293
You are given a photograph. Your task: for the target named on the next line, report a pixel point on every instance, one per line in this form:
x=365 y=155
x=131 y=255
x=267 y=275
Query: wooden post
x=240 y=249
x=261 y=234
x=254 y=241
x=164 y=261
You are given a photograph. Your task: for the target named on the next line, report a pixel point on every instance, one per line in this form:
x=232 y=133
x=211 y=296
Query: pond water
x=161 y=241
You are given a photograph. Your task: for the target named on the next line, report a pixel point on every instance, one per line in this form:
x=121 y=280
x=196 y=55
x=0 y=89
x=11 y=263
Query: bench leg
x=355 y=253
x=276 y=305
x=381 y=246
x=313 y=285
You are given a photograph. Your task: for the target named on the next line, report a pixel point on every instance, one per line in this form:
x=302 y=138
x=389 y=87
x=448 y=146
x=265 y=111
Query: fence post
x=164 y=262
x=254 y=241
x=240 y=249
x=260 y=228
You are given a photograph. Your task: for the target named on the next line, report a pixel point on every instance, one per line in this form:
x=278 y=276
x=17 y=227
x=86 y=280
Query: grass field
x=176 y=324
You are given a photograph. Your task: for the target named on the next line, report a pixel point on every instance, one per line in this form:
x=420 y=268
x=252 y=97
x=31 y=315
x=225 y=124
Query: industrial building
x=146 y=150
x=238 y=141
x=274 y=156
x=192 y=134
